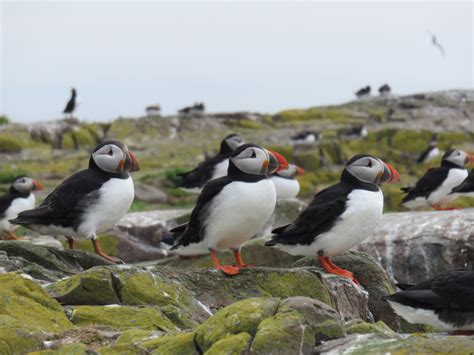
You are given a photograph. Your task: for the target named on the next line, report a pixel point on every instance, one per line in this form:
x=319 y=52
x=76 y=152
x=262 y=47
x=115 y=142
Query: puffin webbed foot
x=226 y=269
x=240 y=262
x=98 y=251
x=331 y=268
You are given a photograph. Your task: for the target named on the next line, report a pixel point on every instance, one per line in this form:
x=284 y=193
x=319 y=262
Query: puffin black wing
x=66 y=204
x=319 y=217
x=193 y=233
x=5 y=202
x=201 y=174
x=452 y=290
x=423 y=155
x=432 y=179
x=467 y=185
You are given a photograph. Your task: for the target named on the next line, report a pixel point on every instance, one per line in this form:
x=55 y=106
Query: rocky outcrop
x=415 y=246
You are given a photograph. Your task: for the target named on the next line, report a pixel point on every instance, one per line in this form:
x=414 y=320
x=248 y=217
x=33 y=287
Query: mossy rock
x=232 y=345
x=240 y=317
x=121 y=349
x=180 y=317
x=9 y=144
x=16 y=340
x=122 y=317
x=108 y=243
x=24 y=302
x=380 y=329
x=182 y=343
x=67 y=349
x=134 y=336
x=93 y=287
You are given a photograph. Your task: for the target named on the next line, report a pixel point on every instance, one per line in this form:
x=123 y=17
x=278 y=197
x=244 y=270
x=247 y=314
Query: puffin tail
x=407 y=189
x=274 y=240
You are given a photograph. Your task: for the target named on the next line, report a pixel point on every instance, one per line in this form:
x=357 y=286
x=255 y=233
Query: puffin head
x=277 y=162
x=231 y=142
x=457 y=157
x=367 y=168
x=25 y=184
x=291 y=172
x=113 y=157
x=253 y=159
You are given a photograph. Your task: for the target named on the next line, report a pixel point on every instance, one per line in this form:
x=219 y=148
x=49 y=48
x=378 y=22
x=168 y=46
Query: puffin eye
x=254 y=155
x=111 y=152
x=369 y=164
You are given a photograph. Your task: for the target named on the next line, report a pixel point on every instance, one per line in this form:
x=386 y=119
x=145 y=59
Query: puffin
x=385 y=90
x=286 y=185
x=71 y=104
x=305 y=137
x=362 y=92
x=19 y=198
x=90 y=201
x=359 y=131
x=340 y=216
x=435 y=187
x=429 y=154
x=467 y=186
x=444 y=302
x=231 y=209
x=212 y=168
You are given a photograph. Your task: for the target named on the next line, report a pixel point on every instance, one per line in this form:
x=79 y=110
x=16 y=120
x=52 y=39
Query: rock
x=26 y=313
x=240 y=317
x=299 y=323
x=121 y=317
x=149 y=193
x=408 y=344
x=372 y=277
x=45 y=263
x=415 y=246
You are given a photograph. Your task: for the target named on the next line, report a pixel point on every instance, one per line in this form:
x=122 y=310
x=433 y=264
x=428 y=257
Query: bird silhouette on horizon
x=71 y=104
x=434 y=42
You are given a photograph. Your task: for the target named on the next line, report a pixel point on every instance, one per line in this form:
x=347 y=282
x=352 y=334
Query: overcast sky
x=122 y=56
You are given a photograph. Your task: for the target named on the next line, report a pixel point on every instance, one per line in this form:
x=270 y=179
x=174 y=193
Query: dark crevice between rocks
x=196 y=345
x=117 y=286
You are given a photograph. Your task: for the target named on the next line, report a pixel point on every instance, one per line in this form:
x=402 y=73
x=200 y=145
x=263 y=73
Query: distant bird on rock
x=384 y=90
x=18 y=199
x=354 y=132
x=232 y=209
x=467 y=186
x=444 y=302
x=339 y=217
x=429 y=154
x=305 y=137
x=363 y=92
x=435 y=187
x=71 y=104
x=153 y=110
x=197 y=109
x=286 y=185
x=90 y=201
x=211 y=168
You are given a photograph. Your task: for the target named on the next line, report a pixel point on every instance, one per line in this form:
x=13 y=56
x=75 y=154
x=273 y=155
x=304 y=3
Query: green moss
x=132 y=336
x=15 y=340
x=180 y=317
x=182 y=343
x=122 y=317
x=9 y=144
x=240 y=317
x=24 y=301
x=231 y=345
x=121 y=349
x=293 y=283
x=4 y=120
x=411 y=141
x=251 y=124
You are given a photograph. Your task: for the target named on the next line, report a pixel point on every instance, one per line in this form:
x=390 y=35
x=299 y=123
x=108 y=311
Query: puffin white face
x=26 y=184
x=458 y=157
x=115 y=158
x=367 y=169
x=234 y=141
x=252 y=160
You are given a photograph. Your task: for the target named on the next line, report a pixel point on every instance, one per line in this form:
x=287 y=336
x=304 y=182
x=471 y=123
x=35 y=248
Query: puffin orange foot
x=331 y=268
x=229 y=270
x=240 y=262
x=440 y=208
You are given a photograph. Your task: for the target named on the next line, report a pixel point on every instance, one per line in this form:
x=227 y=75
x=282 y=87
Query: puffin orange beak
x=282 y=162
x=395 y=176
x=470 y=159
x=131 y=162
x=37 y=185
x=299 y=171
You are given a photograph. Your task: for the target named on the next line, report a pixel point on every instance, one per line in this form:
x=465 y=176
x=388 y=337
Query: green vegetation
x=4 y=120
